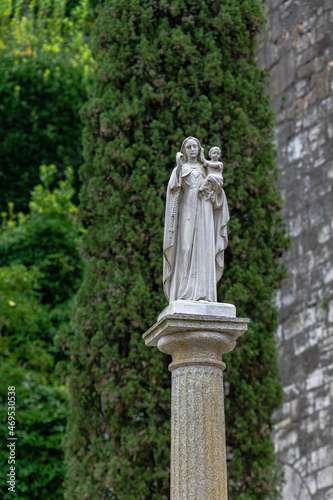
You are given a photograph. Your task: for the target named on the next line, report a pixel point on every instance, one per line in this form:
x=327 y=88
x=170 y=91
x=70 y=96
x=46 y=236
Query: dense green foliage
x=40 y=270
x=167 y=70
x=46 y=238
x=44 y=62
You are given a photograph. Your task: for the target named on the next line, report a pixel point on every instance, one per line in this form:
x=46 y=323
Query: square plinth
x=200 y=308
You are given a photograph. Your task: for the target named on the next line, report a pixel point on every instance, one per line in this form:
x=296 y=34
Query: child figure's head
x=214 y=153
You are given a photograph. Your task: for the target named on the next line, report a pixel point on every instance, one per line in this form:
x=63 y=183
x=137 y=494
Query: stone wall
x=298 y=51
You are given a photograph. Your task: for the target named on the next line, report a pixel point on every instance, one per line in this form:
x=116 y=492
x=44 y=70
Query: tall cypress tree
x=167 y=70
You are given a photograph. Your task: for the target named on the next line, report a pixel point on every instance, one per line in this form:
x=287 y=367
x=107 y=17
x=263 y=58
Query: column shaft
x=198 y=449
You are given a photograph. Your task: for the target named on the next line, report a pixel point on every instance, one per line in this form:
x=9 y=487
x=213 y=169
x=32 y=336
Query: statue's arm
x=175 y=179
x=218 y=165
x=179 y=157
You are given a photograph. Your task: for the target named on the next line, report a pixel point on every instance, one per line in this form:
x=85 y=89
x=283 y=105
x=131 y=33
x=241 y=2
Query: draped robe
x=195 y=238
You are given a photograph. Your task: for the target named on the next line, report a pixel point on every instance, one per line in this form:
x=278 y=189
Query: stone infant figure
x=213 y=183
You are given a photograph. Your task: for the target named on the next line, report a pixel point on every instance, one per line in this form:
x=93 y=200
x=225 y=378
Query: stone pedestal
x=196 y=336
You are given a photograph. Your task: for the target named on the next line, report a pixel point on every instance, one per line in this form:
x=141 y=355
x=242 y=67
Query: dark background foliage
x=39 y=120
x=45 y=63
x=166 y=70
x=43 y=84
x=40 y=271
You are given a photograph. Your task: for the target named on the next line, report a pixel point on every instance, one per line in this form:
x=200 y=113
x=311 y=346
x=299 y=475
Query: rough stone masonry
x=297 y=49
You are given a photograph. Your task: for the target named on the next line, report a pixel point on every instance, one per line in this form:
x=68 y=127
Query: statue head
x=185 y=148
x=214 y=153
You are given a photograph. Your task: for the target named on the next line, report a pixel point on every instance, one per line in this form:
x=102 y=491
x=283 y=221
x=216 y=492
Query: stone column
x=196 y=335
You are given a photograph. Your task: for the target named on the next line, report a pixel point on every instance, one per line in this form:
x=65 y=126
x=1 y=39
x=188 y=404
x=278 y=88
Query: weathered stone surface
x=303 y=99
x=227 y=329
x=195 y=229
x=293 y=487
x=198 y=452
x=322 y=84
x=197 y=343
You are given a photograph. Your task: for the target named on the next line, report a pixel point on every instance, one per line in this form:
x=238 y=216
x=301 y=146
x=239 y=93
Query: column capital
x=197 y=337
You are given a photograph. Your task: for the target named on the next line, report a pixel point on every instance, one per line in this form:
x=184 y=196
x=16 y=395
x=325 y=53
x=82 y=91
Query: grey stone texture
x=198 y=453
x=195 y=228
x=197 y=342
x=297 y=49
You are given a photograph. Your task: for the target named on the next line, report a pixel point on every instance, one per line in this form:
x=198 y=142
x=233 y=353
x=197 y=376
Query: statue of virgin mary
x=195 y=232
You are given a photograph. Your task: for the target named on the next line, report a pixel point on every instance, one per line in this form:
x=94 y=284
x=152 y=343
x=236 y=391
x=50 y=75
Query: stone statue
x=213 y=183
x=195 y=232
